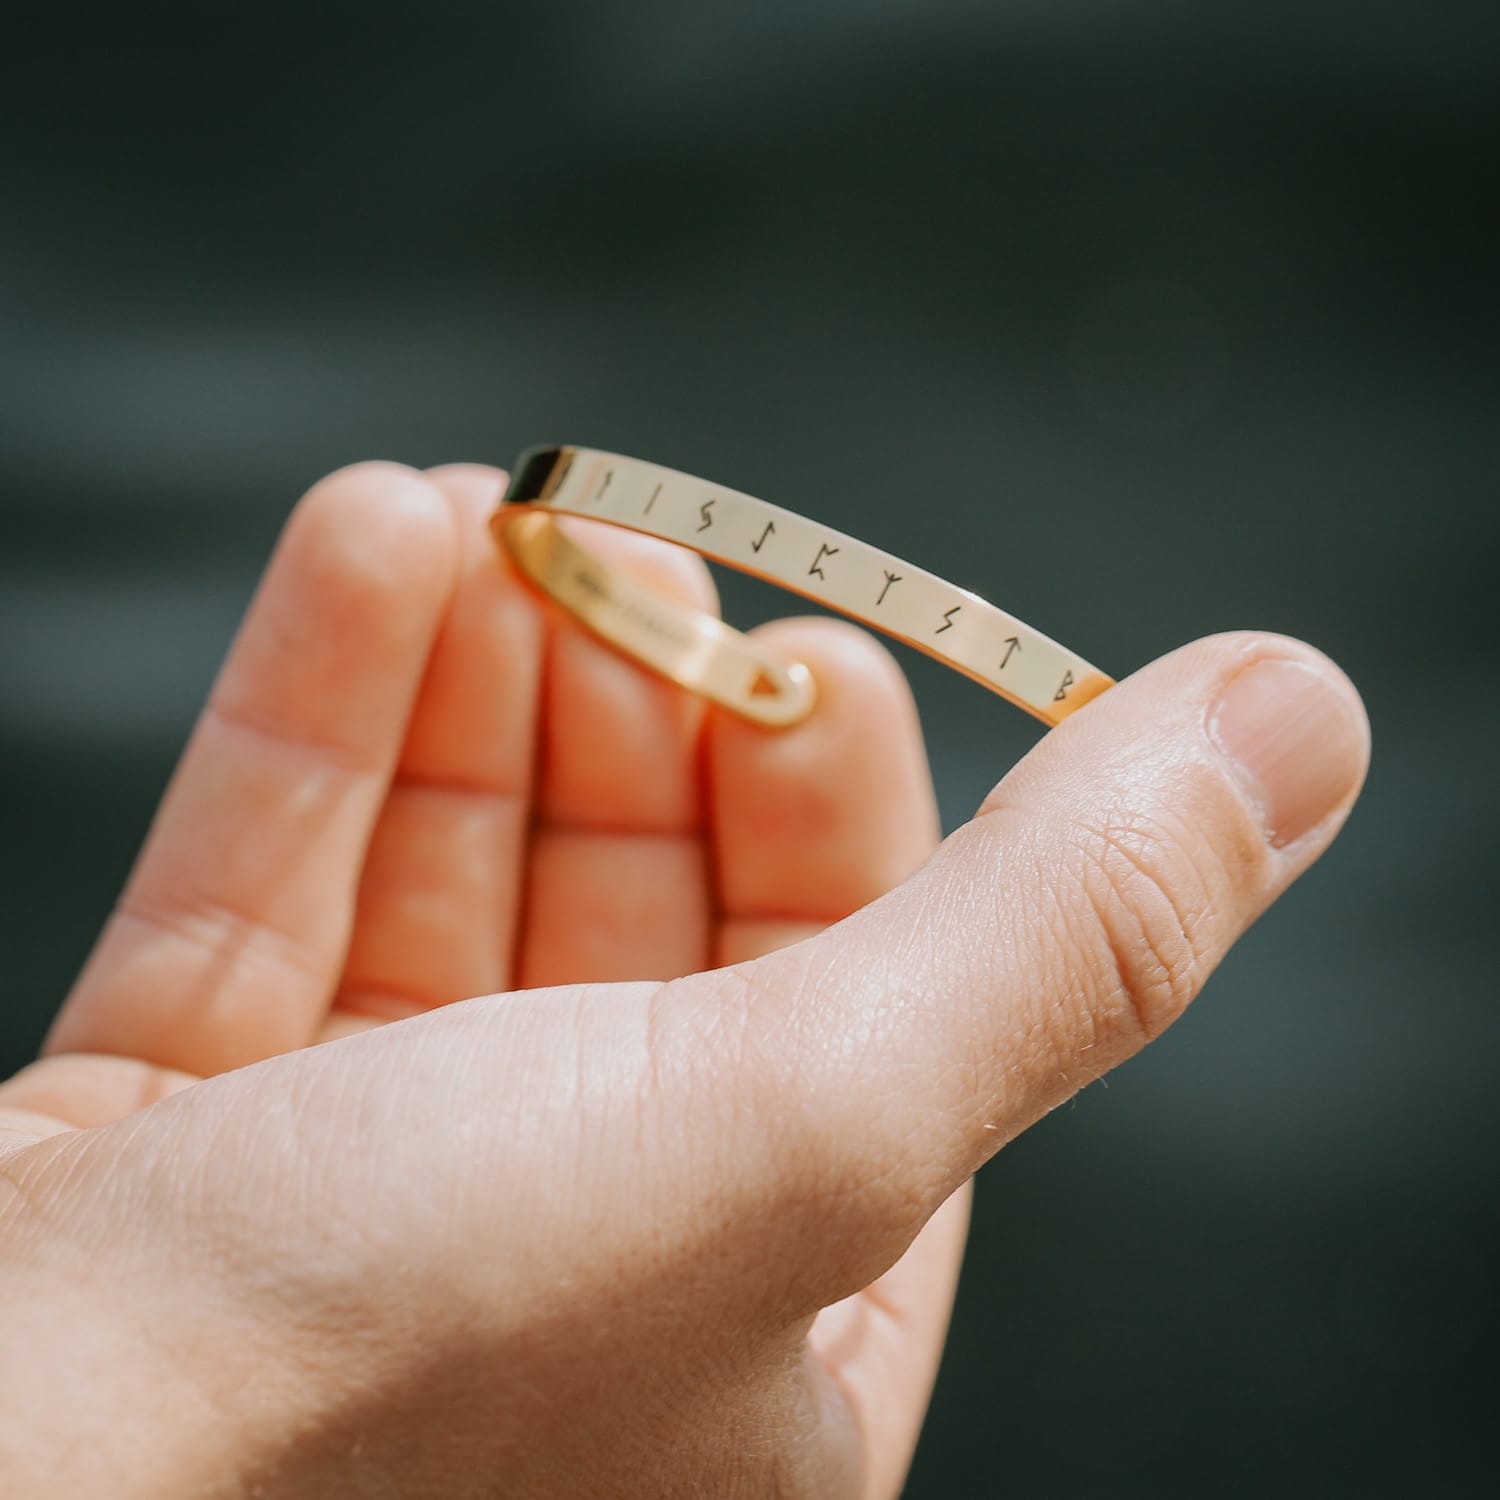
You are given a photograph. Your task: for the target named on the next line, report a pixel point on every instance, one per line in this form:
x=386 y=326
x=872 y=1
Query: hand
x=645 y=1226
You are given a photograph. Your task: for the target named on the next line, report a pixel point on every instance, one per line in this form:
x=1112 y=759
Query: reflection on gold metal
x=703 y=654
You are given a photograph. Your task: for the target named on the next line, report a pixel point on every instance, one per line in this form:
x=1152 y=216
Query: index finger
x=228 y=939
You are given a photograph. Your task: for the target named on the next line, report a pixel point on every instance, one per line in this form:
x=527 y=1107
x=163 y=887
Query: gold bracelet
x=706 y=656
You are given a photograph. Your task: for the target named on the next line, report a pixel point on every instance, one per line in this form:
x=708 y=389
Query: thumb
x=1068 y=924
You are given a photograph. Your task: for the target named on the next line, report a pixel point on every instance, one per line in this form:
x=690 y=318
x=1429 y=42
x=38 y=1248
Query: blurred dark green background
x=1145 y=319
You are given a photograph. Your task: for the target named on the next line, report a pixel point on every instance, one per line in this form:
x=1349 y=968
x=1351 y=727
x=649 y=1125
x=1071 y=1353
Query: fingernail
x=1295 y=740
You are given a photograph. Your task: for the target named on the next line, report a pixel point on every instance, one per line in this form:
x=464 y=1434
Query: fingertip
x=1294 y=732
x=472 y=491
x=817 y=819
x=861 y=690
x=473 y=488
x=379 y=531
x=1245 y=648
x=357 y=587
x=1285 y=717
x=1229 y=651
x=1173 y=709
x=845 y=660
x=468 y=472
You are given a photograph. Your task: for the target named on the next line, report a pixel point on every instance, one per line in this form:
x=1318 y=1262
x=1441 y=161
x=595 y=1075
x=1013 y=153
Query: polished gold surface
x=703 y=654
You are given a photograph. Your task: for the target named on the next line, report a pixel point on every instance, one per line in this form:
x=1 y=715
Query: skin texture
x=676 y=1207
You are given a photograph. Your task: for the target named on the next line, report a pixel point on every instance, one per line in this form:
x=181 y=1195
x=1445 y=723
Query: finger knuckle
x=1148 y=896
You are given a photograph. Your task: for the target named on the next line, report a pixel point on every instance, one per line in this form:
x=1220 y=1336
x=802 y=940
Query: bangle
x=703 y=654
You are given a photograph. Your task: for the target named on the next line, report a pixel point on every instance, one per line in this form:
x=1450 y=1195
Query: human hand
x=599 y=1236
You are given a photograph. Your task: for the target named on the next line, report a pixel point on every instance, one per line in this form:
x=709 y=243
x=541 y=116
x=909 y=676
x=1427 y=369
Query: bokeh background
x=1146 y=319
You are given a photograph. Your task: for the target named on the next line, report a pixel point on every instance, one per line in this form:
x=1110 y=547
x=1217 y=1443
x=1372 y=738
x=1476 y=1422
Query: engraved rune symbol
x=948 y=615
x=890 y=578
x=823 y=551
x=608 y=475
x=1012 y=645
x=705 y=510
x=654 y=494
x=763 y=686
x=755 y=546
x=1062 y=692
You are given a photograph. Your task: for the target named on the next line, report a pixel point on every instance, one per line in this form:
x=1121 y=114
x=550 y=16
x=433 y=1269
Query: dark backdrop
x=1146 y=319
